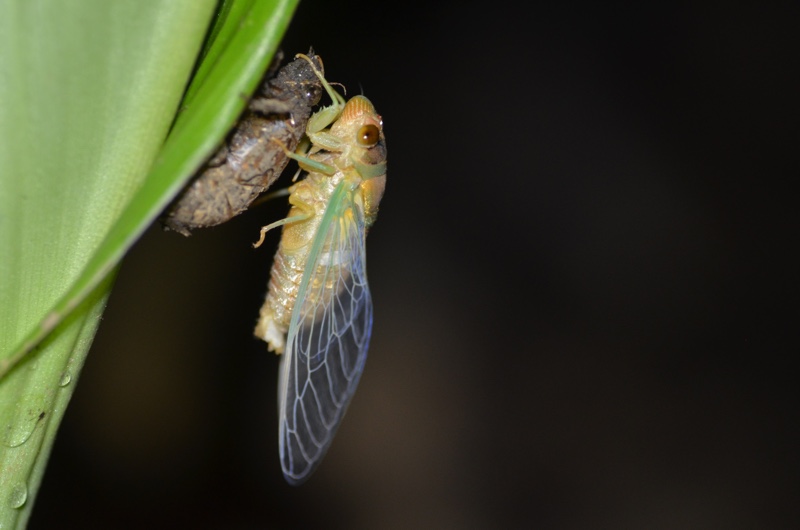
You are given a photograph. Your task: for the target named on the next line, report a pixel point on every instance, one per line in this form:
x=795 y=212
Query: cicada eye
x=368 y=135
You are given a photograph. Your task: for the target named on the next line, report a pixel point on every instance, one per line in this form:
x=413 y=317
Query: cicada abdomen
x=318 y=311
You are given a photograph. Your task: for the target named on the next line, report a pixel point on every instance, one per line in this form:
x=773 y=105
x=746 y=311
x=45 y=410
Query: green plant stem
x=88 y=91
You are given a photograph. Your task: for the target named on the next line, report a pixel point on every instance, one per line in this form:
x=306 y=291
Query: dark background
x=584 y=283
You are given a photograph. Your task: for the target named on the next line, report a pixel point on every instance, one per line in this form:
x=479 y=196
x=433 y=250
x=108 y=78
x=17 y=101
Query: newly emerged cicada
x=318 y=311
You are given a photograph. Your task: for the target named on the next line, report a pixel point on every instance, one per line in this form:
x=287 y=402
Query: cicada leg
x=324 y=118
x=307 y=163
x=293 y=219
x=283 y=192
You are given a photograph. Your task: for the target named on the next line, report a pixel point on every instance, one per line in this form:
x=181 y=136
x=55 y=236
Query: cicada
x=318 y=311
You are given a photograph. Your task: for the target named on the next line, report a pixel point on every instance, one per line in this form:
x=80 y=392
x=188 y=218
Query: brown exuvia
x=249 y=160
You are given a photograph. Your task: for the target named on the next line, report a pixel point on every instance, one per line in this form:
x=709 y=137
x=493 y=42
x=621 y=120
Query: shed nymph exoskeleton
x=249 y=161
x=318 y=311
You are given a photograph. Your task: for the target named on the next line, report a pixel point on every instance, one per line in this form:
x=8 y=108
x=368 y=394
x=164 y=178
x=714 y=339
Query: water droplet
x=18 y=433
x=66 y=378
x=18 y=496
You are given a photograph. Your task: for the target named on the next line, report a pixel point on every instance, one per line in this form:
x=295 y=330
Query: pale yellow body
x=336 y=156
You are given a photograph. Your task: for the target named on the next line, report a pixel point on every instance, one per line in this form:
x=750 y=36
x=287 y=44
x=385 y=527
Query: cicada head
x=361 y=128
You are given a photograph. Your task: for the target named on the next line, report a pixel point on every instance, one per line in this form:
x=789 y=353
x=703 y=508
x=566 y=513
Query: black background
x=584 y=283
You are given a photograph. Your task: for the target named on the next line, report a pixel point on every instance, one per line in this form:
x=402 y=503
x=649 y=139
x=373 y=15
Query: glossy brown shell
x=249 y=161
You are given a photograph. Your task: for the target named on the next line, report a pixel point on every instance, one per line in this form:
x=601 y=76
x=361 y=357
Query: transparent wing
x=327 y=339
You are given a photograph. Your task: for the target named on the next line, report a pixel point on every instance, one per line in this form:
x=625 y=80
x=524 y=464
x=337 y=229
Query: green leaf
x=88 y=92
